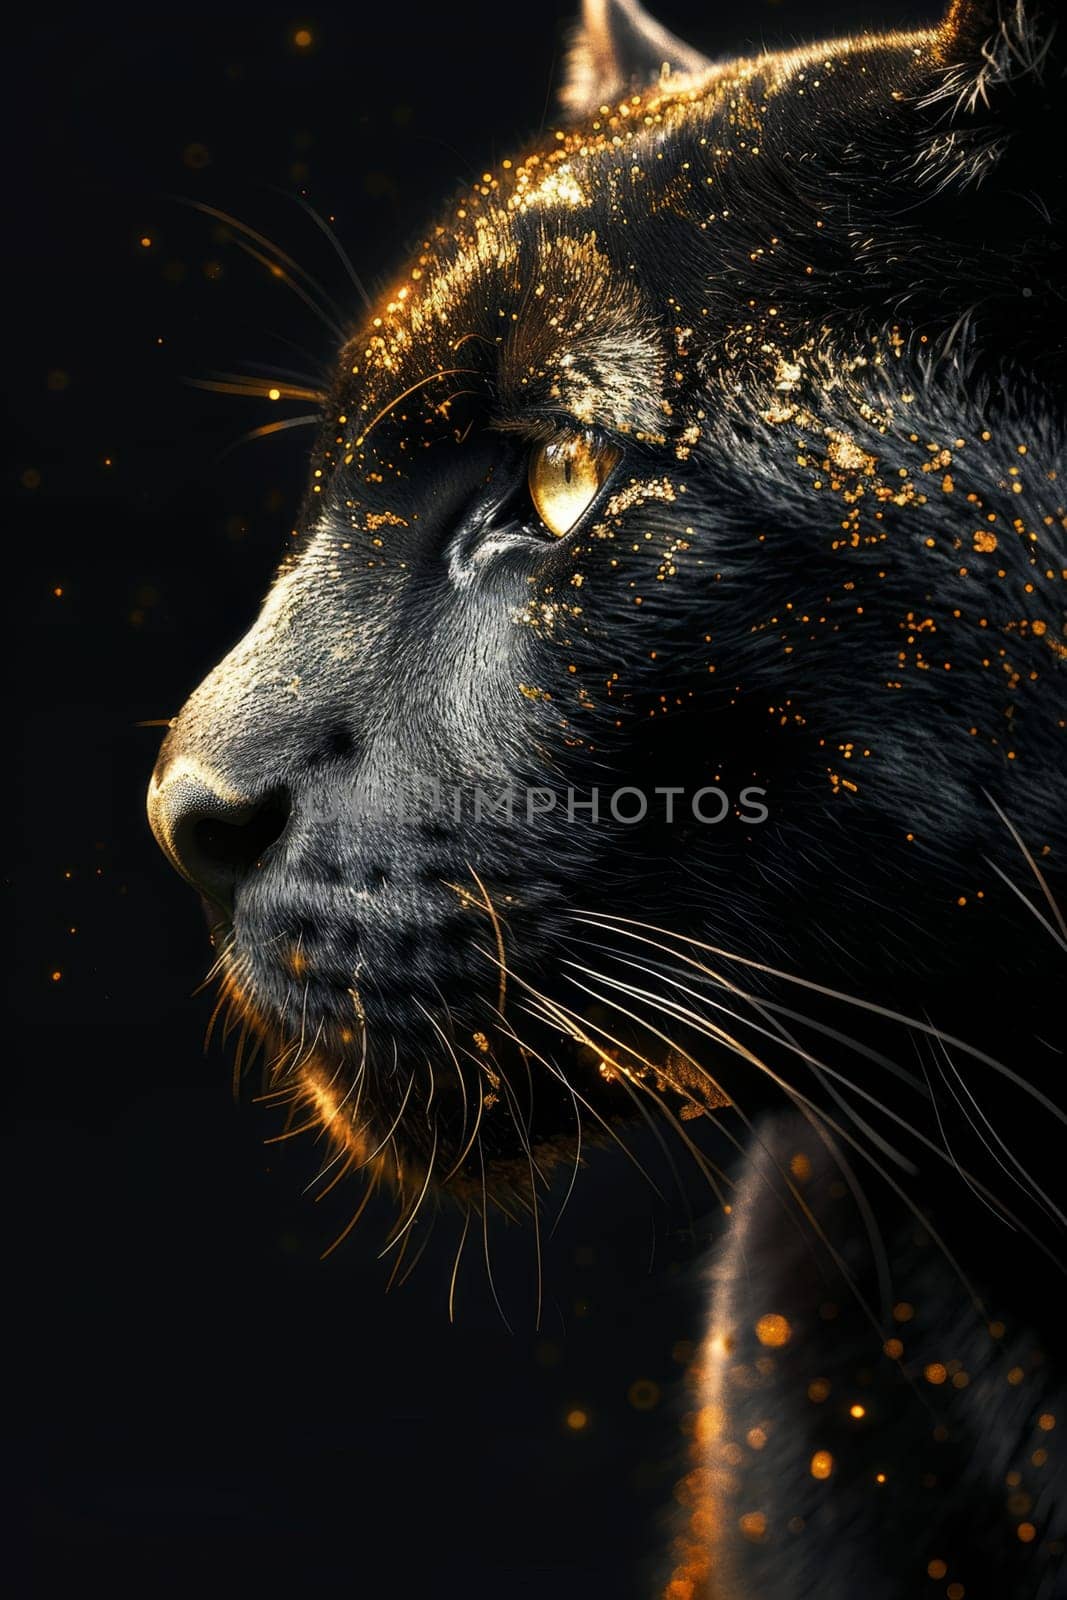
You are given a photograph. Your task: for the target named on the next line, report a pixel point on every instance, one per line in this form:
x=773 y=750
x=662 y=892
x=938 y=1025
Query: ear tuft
x=994 y=48
x=617 y=48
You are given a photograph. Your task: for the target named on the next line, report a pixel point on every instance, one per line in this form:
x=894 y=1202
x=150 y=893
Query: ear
x=617 y=48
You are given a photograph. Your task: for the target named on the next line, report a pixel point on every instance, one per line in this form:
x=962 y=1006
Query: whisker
x=455 y=1265
x=320 y=222
x=1031 y=863
x=268 y=428
x=485 y=1241
x=622 y=924
x=278 y=265
x=257 y=388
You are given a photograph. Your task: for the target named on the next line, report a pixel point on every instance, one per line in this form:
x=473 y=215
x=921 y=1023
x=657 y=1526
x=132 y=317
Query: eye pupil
x=565 y=476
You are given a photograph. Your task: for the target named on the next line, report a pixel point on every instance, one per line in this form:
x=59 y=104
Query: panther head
x=678 y=573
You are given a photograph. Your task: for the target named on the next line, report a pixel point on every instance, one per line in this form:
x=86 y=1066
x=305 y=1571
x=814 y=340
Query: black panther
x=660 y=710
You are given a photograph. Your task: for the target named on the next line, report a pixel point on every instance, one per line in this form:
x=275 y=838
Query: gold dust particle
x=643 y=1395
x=955 y=1591
x=894 y=1349
x=996 y=1330
x=56 y=977
x=818 y=1389
x=773 y=1330
x=753 y=1524
x=481 y=1043
x=1046 y=1422
x=822 y=1464
x=756 y=1438
x=857 y=1411
x=879 y=1477
x=1027 y=1532
x=800 y=1167
x=145 y=241
x=903 y=1311
x=303 y=38
x=1016 y=1376
x=934 y=1372
x=58 y=592
x=577 y=1419
x=936 y=1569
x=274 y=394
x=985 y=542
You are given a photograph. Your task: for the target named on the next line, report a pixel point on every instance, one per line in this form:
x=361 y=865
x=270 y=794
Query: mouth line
x=466 y=1132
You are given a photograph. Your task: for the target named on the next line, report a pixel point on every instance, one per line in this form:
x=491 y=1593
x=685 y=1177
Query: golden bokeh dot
x=955 y=1591
x=821 y=1464
x=643 y=1394
x=857 y=1411
x=800 y=1166
x=303 y=38
x=935 y=1372
x=577 y=1419
x=1027 y=1532
x=753 y=1524
x=893 y=1349
x=1046 y=1422
x=773 y=1330
x=818 y=1389
x=936 y=1569
x=903 y=1311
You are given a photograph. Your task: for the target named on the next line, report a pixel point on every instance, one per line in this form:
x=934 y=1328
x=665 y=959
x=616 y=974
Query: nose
x=211 y=833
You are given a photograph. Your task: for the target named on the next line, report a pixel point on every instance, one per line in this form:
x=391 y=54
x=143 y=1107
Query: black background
x=199 y=1399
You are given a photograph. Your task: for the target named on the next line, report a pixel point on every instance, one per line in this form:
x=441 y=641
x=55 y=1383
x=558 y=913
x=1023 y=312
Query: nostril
x=215 y=839
x=233 y=846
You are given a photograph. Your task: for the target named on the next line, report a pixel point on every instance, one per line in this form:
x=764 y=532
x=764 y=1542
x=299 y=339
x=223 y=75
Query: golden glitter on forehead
x=571 y=332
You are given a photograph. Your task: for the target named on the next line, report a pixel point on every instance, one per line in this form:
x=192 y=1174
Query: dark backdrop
x=199 y=1400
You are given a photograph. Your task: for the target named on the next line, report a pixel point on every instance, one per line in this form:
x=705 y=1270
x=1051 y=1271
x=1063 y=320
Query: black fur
x=817 y=307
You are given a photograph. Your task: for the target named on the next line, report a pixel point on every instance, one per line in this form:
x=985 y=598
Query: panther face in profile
x=708 y=448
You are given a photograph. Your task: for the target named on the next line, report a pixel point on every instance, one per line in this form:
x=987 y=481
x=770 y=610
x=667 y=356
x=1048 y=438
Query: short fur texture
x=811 y=304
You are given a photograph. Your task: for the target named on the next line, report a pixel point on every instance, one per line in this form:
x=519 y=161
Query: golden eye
x=565 y=475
